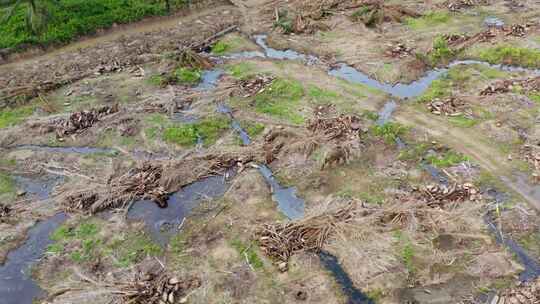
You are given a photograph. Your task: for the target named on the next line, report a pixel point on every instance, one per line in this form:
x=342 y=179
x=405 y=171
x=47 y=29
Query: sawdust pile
x=281 y=241
x=137 y=184
x=451 y=106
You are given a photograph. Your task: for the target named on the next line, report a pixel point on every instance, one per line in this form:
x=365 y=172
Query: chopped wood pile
x=451 y=106
x=254 y=85
x=163 y=289
x=523 y=293
x=526 y=85
x=457 y=5
x=338 y=127
x=281 y=241
x=438 y=195
x=137 y=184
x=376 y=12
x=82 y=120
x=399 y=50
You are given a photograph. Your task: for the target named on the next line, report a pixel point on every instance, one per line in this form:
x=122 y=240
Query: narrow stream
x=16 y=284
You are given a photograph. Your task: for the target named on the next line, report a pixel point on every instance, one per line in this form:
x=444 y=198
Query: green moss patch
x=429 y=20
x=242 y=70
x=7 y=185
x=11 y=117
x=281 y=99
x=188 y=76
x=248 y=252
x=512 y=55
x=208 y=130
x=389 y=131
x=447 y=159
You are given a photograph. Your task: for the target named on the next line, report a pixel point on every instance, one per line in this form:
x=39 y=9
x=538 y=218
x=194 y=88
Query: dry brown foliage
x=528 y=85
x=281 y=241
x=438 y=195
x=4 y=210
x=137 y=184
x=147 y=289
x=451 y=106
x=254 y=85
x=343 y=127
x=376 y=12
x=523 y=293
x=456 y=5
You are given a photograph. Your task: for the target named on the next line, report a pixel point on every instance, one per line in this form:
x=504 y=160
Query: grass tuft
x=208 y=130
x=429 y=20
x=448 y=159
x=11 y=117
x=390 y=131
x=281 y=99
x=511 y=55
x=188 y=76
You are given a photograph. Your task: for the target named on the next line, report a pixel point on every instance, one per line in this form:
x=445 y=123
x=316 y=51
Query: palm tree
x=36 y=12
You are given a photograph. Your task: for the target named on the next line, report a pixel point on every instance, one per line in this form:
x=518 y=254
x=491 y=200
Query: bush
x=71 y=18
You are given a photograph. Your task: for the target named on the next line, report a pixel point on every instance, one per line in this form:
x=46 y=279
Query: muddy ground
x=153 y=142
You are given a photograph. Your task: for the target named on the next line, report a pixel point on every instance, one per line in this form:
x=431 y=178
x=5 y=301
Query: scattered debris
x=439 y=195
x=451 y=106
x=525 y=85
x=346 y=127
x=190 y=59
x=532 y=156
x=281 y=241
x=78 y=121
x=398 y=50
x=457 y=5
x=4 y=210
x=254 y=85
x=376 y=12
x=523 y=293
x=146 y=289
x=339 y=154
x=137 y=184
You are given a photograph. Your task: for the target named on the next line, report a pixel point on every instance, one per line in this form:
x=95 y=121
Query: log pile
x=137 y=184
x=438 y=195
x=163 y=289
x=451 y=106
x=254 y=85
x=281 y=241
x=343 y=127
x=82 y=120
x=523 y=293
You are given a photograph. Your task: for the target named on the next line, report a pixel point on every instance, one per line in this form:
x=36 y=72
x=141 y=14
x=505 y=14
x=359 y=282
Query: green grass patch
x=439 y=88
x=441 y=53
x=535 y=97
x=68 y=19
x=389 y=131
x=242 y=70
x=220 y=48
x=253 y=129
x=462 y=121
x=414 y=152
x=407 y=256
x=321 y=96
x=188 y=76
x=157 y=80
x=11 y=117
x=281 y=99
x=249 y=252
x=512 y=55
x=7 y=185
x=428 y=21
x=208 y=130
x=132 y=248
x=448 y=159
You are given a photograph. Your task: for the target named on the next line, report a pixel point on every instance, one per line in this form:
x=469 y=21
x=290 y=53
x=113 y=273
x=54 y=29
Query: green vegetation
x=157 y=80
x=208 y=130
x=132 y=248
x=220 y=48
x=284 y=22
x=248 y=251
x=439 y=88
x=389 y=131
x=321 y=96
x=535 y=97
x=428 y=21
x=67 y=19
x=242 y=70
x=448 y=159
x=10 y=117
x=462 y=121
x=253 y=129
x=414 y=152
x=367 y=16
x=441 y=53
x=84 y=243
x=407 y=255
x=187 y=75
x=7 y=185
x=507 y=54
x=281 y=100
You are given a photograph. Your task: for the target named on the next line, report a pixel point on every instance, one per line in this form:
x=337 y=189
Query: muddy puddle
x=37 y=187
x=209 y=79
x=163 y=223
x=16 y=284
